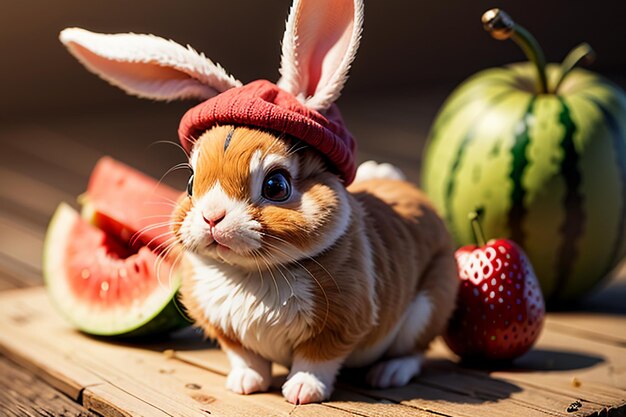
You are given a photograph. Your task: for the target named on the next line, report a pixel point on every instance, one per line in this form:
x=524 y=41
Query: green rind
x=477 y=180
x=519 y=149
x=442 y=156
x=167 y=317
x=572 y=227
x=599 y=178
x=170 y=319
x=545 y=191
x=572 y=157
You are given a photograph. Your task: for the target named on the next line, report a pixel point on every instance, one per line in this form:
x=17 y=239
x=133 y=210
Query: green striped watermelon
x=547 y=166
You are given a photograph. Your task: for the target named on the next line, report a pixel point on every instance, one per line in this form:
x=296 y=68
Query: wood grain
x=22 y=394
x=120 y=379
x=127 y=379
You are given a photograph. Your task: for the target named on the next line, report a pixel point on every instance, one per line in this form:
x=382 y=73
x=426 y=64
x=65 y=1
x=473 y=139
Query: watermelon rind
x=158 y=313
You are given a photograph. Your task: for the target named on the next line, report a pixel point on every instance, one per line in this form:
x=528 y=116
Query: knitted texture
x=263 y=105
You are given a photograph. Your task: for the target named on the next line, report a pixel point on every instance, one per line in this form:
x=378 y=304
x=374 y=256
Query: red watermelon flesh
x=98 y=269
x=129 y=204
x=100 y=281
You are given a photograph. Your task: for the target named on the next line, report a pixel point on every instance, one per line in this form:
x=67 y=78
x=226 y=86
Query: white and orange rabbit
x=283 y=262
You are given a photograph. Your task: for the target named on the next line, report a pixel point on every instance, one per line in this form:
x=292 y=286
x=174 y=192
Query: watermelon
x=106 y=276
x=540 y=150
x=129 y=204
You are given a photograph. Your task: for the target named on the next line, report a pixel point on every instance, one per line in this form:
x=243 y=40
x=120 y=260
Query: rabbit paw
x=246 y=381
x=305 y=388
x=394 y=372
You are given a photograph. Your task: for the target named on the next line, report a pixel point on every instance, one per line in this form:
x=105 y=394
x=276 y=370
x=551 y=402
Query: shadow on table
x=554 y=360
x=536 y=360
x=449 y=383
x=445 y=380
x=184 y=340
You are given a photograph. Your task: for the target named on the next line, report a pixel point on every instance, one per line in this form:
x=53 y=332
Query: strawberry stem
x=479 y=236
x=500 y=26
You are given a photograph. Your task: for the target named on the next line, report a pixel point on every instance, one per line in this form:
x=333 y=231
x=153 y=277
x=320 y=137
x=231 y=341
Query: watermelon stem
x=575 y=56
x=501 y=27
x=479 y=235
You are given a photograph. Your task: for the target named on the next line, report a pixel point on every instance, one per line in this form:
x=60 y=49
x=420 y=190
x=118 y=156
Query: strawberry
x=500 y=308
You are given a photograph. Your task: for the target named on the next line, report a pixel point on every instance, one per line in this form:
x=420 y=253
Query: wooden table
x=46 y=368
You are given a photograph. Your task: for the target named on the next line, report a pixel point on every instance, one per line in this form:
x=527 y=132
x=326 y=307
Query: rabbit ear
x=319 y=44
x=148 y=66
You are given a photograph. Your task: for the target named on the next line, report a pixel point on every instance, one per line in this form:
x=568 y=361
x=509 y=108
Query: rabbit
x=291 y=254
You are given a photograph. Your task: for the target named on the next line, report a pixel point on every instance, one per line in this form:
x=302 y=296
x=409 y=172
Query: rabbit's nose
x=214 y=218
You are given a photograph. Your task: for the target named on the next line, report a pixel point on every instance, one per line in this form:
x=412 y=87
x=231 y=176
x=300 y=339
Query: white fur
x=193 y=158
x=305 y=45
x=311 y=381
x=256 y=175
x=275 y=161
x=395 y=372
x=238 y=230
x=371 y=170
x=249 y=372
x=147 y=65
x=247 y=381
x=270 y=311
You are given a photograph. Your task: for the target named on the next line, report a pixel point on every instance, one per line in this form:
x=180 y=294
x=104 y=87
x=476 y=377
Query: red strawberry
x=500 y=308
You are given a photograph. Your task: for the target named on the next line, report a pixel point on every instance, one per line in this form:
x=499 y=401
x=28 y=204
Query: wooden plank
x=144 y=151
x=31 y=193
x=112 y=377
x=16 y=274
x=517 y=396
x=21 y=243
x=599 y=396
x=20 y=311
x=435 y=400
x=551 y=370
x=46 y=149
x=593 y=361
x=603 y=315
x=597 y=326
x=185 y=348
x=363 y=405
x=485 y=386
x=23 y=394
x=34 y=164
x=121 y=379
x=36 y=144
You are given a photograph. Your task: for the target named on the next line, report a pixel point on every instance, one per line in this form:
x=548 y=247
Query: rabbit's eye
x=190 y=186
x=276 y=186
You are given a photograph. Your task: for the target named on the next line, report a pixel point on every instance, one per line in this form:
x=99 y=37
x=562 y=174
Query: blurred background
x=408 y=47
x=57 y=119
x=412 y=54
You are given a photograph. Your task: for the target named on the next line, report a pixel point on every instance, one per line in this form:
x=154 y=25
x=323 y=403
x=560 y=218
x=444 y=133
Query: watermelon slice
x=103 y=273
x=129 y=204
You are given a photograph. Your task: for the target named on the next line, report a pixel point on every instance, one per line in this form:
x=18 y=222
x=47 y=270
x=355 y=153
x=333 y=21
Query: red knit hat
x=264 y=105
